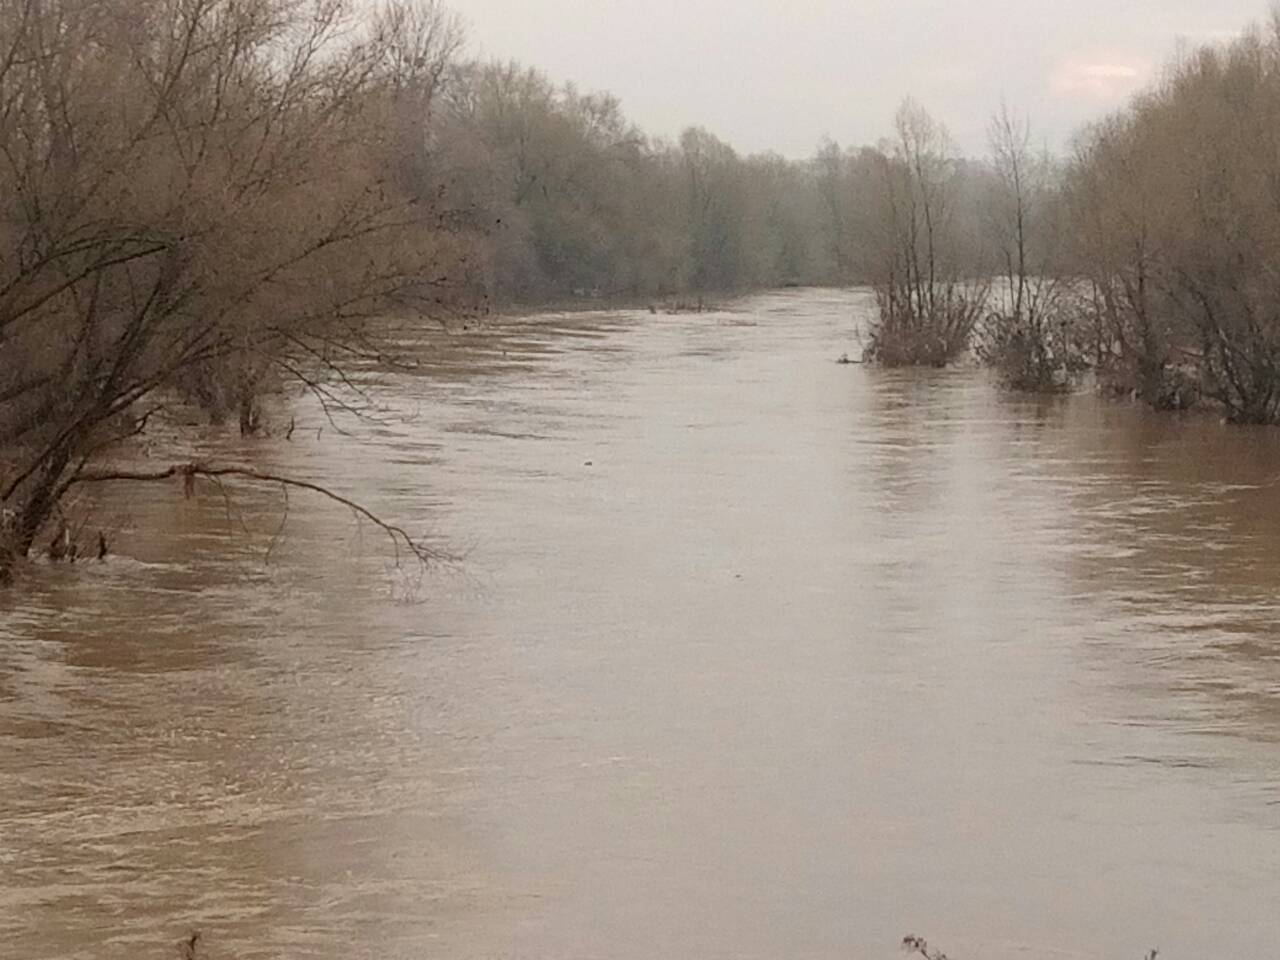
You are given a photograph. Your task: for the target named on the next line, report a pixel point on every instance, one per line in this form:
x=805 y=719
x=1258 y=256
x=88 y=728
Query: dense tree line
x=579 y=201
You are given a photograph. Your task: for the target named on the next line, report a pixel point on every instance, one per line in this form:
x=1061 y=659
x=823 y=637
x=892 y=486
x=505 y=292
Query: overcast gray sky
x=765 y=74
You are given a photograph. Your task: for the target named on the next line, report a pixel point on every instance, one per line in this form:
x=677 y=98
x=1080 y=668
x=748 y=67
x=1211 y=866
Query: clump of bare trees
x=1177 y=205
x=1030 y=335
x=1152 y=256
x=201 y=198
x=1114 y=210
x=927 y=306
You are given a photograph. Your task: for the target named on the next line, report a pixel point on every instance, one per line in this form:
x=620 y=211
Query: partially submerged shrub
x=929 y=327
x=1161 y=384
x=927 y=309
x=1029 y=338
x=1036 y=349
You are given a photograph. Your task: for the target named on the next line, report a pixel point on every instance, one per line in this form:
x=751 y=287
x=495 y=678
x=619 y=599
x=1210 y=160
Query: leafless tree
x=1029 y=336
x=197 y=198
x=1114 y=213
x=927 y=308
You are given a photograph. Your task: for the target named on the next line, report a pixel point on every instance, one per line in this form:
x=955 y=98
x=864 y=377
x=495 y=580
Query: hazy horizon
x=768 y=77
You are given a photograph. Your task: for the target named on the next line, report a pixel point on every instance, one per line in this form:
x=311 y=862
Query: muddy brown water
x=750 y=655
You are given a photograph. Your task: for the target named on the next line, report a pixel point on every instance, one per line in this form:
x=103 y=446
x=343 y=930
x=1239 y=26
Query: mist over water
x=750 y=655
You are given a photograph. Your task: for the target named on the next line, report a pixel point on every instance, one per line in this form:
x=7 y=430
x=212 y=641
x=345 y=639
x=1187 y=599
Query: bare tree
x=1028 y=336
x=198 y=198
x=1115 y=212
x=927 y=307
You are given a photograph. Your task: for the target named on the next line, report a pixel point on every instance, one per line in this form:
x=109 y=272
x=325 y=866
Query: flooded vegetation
x=871 y=543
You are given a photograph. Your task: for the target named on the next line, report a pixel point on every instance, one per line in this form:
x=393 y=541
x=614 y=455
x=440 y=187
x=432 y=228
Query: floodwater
x=749 y=655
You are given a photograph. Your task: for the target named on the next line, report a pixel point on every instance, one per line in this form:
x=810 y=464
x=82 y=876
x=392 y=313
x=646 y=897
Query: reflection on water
x=752 y=655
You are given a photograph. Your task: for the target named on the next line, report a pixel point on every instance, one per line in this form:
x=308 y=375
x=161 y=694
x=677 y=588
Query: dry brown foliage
x=201 y=197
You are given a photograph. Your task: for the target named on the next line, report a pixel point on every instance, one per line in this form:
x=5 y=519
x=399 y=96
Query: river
x=748 y=655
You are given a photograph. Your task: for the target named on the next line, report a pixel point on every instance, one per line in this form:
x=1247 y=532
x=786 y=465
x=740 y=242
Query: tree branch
x=189 y=471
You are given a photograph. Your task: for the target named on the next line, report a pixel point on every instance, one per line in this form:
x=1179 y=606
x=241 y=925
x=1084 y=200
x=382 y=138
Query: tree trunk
x=22 y=524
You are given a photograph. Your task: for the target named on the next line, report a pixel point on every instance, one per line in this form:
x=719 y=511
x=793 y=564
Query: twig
x=918 y=945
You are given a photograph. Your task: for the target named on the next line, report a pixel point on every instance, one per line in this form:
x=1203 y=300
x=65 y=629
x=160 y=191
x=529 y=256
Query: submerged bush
x=929 y=327
x=1035 y=348
x=1029 y=338
x=927 y=309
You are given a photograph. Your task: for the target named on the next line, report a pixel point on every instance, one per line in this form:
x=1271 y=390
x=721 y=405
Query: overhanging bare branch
x=188 y=472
